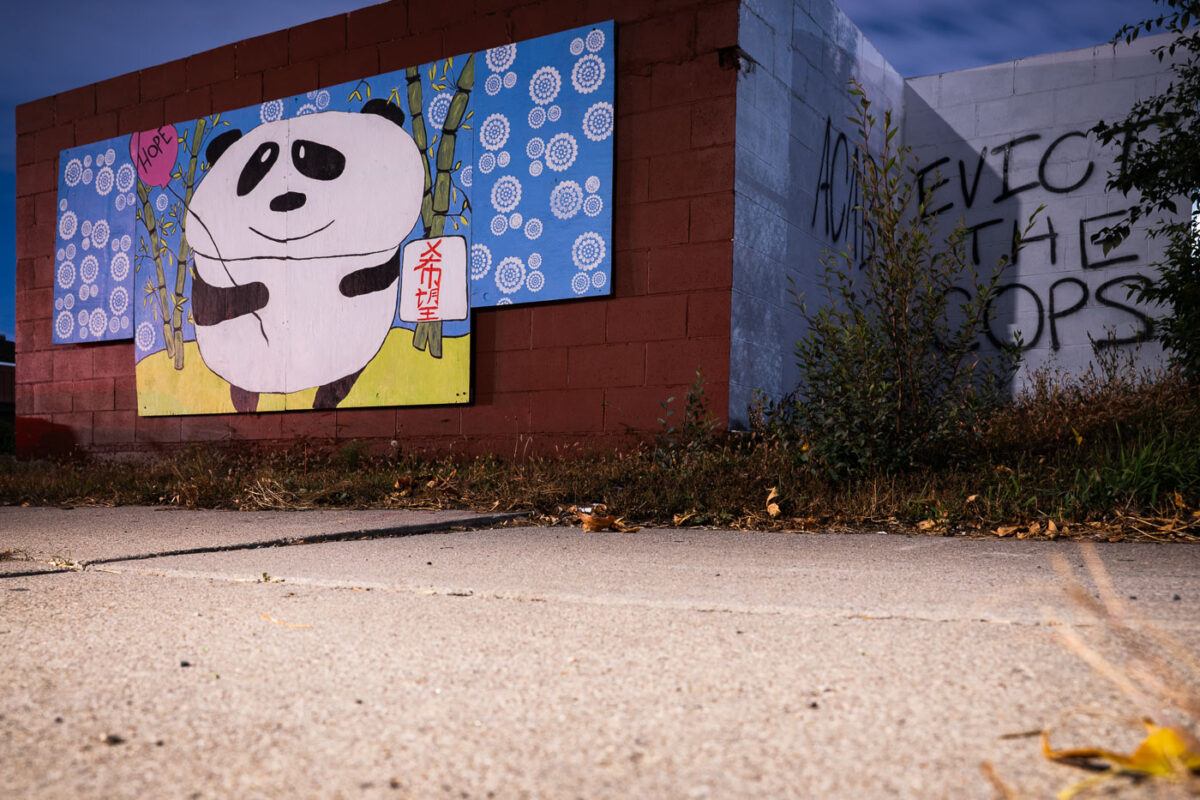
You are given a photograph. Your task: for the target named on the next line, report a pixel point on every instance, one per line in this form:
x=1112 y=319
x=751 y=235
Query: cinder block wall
x=545 y=376
x=1003 y=140
x=794 y=197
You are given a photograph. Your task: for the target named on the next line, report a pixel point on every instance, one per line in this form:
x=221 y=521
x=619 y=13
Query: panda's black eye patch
x=317 y=161
x=257 y=167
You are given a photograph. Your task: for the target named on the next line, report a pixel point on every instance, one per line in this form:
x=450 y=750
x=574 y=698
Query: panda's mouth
x=287 y=239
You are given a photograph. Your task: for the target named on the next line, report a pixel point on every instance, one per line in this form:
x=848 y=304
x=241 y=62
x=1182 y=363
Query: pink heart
x=154 y=153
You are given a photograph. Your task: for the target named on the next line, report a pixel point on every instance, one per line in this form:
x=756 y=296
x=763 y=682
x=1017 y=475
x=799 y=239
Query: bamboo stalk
x=184 y=249
x=151 y=223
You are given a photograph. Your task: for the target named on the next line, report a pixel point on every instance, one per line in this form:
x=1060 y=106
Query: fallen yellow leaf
x=1166 y=752
x=1006 y=530
x=773 y=508
x=680 y=519
x=927 y=524
x=594 y=522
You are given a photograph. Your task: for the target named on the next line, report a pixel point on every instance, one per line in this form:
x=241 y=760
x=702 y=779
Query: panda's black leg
x=245 y=402
x=329 y=395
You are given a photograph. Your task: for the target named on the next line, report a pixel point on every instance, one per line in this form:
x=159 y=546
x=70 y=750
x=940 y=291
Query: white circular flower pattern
x=499 y=225
x=515 y=221
x=322 y=99
x=129 y=200
x=126 y=243
x=68 y=301
x=100 y=233
x=89 y=268
x=67 y=224
x=62 y=204
x=487 y=163
x=73 y=172
x=595 y=39
x=145 y=337
x=119 y=267
x=125 y=323
x=533 y=229
x=305 y=110
x=438 y=108
x=66 y=275
x=120 y=202
x=64 y=325
x=114 y=324
x=493 y=134
x=87 y=161
x=481 y=261
x=85 y=229
x=85 y=244
x=87 y=177
x=535 y=260
x=84 y=294
x=503 y=159
x=161 y=201
x=110 y=156
x=588 y=250
x=535 y=281
x=598 y=122
x=98 y=322
x=493 y=84
x=565 y=199
x=118 y=301
x=537 y=117
x=535 y=147
x=588 y=74
x=593 y=205
x=82 y=317
x=125 y=176
x=576 y=46
x=268 y=112
x=93 y=290
x=554 y=113
x=535 y=168
x=116 y=244
x=592 y=184
x=545 y=85
x=60 y=255
x=104 y=181
x=506 y=194
x=599 y=279
x=510 y=275
x=467 y=176
x=580 y=283
x=70 y=251
x=510 y=80
x=561 y=151
x=504 y=301
x=501 y=58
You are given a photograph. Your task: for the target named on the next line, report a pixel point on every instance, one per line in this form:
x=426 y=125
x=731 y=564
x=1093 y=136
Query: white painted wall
x=1019 y=131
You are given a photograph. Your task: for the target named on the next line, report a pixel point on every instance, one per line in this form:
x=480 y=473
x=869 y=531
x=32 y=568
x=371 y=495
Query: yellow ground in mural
x=399 y=375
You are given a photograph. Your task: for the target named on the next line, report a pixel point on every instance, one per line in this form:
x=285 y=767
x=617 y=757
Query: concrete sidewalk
x=543 y=662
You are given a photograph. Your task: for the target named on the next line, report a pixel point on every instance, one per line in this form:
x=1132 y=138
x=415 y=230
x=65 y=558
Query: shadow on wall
x=37 y=435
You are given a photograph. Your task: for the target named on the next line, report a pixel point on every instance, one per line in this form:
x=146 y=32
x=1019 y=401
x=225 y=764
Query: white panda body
x=309 y=213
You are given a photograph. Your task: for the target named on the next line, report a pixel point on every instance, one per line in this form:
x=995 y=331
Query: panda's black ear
x=385 y=109
x=220 y=144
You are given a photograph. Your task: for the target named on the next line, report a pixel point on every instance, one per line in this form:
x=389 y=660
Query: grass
x=1102 y=457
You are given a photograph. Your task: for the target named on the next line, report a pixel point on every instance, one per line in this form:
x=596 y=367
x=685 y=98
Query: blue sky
x=48 y=46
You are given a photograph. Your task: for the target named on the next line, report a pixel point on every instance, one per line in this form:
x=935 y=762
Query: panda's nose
x=288 y=201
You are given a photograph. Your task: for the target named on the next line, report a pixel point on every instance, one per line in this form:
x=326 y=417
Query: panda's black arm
x=371 y=279
x=213 y=304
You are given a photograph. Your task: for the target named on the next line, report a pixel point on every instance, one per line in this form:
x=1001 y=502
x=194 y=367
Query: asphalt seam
x=476 y=523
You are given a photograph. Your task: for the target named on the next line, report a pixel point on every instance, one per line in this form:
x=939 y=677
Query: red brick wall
x=545 y=376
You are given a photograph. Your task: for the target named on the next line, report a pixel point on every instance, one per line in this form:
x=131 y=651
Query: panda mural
x=296 y=231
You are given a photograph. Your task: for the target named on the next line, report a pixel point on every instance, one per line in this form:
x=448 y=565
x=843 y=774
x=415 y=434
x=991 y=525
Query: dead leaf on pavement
x=681 y=519
x=593 y=523
x=1166 y=752
x=1006 y=530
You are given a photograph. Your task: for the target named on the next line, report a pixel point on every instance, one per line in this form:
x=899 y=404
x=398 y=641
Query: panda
x=295 y=233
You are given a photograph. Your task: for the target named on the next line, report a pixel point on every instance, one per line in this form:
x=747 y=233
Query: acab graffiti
x=1058 y=273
